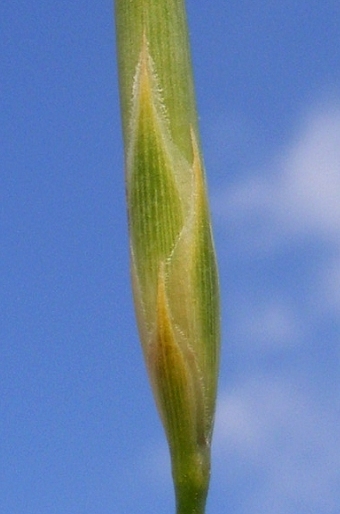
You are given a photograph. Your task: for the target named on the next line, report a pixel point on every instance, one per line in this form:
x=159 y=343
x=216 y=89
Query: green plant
x=173 y=263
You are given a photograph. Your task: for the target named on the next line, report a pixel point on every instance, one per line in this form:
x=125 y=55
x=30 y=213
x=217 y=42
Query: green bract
x=172 y=256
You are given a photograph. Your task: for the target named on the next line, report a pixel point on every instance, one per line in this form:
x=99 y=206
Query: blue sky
x=79 y=433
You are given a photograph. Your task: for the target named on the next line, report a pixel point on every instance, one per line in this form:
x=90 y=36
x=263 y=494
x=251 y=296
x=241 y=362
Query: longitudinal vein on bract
x=158 y=181
x=169 y=221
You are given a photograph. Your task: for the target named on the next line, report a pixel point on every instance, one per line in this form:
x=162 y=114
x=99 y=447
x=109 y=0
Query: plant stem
x=173 y=262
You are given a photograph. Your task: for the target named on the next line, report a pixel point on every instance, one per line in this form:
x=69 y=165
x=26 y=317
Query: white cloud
x=327 y=291
x=269 y=324
x=298 y=193
x=276 y=432
x=277 y=436
x=292 y=203
x=311 y=178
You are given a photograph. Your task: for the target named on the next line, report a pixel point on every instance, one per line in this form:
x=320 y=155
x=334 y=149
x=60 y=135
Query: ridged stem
x=173 y=262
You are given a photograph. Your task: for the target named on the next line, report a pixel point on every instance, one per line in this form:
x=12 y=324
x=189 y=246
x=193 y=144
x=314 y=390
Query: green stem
x=192 y=482
x=173 y=264
x=163 y=23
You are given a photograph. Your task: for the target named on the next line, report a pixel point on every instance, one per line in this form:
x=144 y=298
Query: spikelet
x=173 y=261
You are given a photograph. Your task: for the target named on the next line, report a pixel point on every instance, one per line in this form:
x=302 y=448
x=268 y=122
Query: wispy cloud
x=277 y=424
x=274 y=431
x=292 y=205
x=297 y=194
x=270 y=323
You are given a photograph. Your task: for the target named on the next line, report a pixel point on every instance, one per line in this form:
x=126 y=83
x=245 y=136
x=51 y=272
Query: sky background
x=79 y=433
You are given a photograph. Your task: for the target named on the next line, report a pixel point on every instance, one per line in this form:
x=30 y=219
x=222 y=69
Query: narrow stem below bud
x=191 y=479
